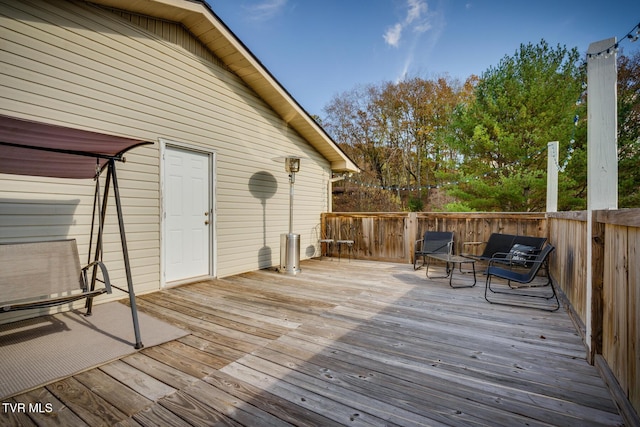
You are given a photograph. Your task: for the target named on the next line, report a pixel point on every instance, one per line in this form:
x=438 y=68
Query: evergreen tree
x=519 y=106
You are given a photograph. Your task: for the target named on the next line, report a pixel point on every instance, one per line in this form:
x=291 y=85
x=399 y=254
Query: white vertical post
x=330 y=191
x=553 y=162
x=602 y=154
x=602 y=112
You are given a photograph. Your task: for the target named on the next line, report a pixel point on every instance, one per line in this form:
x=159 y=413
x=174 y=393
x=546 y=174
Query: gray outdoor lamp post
x=291 y=165
x=290 y=243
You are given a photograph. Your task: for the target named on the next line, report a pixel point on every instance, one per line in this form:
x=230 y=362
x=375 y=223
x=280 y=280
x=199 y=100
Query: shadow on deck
x=343 y=343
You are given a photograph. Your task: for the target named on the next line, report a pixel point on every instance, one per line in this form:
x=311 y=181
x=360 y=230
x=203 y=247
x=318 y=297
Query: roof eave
x=204 y=24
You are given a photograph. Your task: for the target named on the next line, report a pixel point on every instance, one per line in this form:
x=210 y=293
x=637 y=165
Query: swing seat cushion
x=44 y=274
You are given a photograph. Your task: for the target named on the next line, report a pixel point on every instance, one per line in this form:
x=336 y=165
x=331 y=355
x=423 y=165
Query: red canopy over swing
x=40 y=149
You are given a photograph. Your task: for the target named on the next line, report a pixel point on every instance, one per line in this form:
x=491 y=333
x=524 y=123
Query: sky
x=319 y=49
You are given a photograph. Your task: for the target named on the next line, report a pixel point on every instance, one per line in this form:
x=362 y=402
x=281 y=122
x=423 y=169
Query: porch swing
x=44 y=274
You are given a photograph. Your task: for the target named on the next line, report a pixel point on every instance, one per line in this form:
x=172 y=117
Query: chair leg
x=416 y=257
x=415 y=262
x=340 y=251
x=553 y=295
x=328 y=249
x=447 y=270
x=349 y=247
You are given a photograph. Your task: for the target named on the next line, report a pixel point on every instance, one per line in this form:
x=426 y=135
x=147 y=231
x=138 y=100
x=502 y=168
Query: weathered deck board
x=113 y=391
x=93 y=409
x=260 y=398
x=144 y=384
x=343 y=343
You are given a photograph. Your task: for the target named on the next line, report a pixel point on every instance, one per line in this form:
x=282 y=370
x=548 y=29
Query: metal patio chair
x=519 y=278
x=325 y=239
x=433 y=242
x=347 y=237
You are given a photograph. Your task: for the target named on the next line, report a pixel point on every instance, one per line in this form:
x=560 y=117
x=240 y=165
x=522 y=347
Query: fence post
x=410 y=230
x=602 y=162
x=596 y=285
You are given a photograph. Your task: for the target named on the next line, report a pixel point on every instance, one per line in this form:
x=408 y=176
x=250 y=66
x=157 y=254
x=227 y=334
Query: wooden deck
x=344 y=343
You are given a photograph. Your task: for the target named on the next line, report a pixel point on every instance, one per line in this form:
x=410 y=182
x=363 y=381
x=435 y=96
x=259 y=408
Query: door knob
x=206 y=222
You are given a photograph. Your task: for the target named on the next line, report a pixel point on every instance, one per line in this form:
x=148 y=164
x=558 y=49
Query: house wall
x=77 y=65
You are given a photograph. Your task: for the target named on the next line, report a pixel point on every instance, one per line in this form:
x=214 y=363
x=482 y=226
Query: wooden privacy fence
x=391 y=236
x=614 y=309
x=569 y=236
x=618 y=271
x=612 y=312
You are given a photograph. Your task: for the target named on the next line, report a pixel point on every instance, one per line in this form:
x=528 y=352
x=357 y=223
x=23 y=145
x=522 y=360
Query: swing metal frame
x=74 y=150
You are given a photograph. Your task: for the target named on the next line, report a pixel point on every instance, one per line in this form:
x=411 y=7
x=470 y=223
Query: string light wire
x=632 y=35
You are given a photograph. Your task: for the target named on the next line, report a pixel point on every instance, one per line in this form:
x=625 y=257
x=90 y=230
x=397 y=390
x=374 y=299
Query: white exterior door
x=188 y=212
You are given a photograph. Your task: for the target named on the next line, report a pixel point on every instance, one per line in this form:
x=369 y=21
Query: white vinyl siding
x=80 y=66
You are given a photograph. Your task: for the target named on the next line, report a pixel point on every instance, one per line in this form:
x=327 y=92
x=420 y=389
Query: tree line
x=481 y=145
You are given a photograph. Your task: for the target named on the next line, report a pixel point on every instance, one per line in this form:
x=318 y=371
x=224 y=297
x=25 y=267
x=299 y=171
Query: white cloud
x=416 y=19
x=416 y=9
x=405 y=68
x=392 y=35
x=415 y=36
x=422 y=27
x=266 y=9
